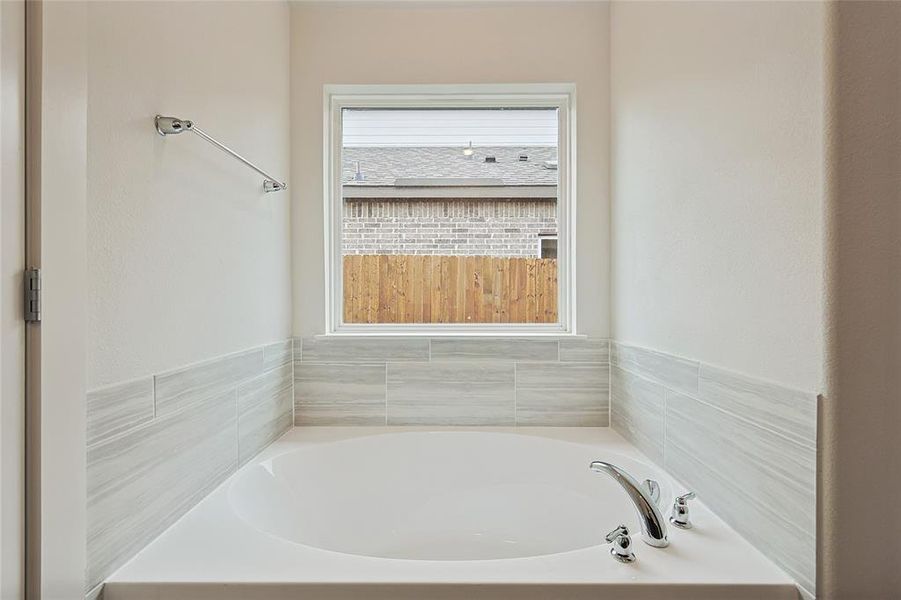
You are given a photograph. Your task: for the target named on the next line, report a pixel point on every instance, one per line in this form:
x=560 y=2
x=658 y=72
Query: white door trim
x=56 y=190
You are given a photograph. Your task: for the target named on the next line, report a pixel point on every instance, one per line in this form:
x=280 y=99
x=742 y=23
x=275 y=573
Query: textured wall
x=718 y=183
x=447 y=227
x=180 y=235
x=450 y=43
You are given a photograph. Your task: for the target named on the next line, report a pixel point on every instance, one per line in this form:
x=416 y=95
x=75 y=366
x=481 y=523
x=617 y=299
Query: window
x=548 y=246
x=445 y=207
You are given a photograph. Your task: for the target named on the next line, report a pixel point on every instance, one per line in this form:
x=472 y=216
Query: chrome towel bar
x=173 y=125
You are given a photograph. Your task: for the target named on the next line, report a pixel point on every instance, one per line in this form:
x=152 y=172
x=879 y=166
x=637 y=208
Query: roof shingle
x=381 y=166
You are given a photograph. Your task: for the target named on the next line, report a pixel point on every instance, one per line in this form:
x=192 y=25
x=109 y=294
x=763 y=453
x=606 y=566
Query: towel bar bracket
x=172 y=125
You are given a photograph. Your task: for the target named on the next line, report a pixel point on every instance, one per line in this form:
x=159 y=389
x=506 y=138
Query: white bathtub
x=404 y=513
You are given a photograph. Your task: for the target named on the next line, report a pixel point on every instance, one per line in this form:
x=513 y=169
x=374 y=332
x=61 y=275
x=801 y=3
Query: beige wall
x=12 y=329
x=404 y=43
x=189 y=259
x=860 y=526
x=717 y=162
x=57 y=82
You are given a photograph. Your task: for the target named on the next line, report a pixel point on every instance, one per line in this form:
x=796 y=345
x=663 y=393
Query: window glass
x=449 y=215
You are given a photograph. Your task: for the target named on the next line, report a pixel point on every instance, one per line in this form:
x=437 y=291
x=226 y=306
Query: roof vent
x=550 y=164
x=358 y=175
x=490 y=159
x=523 y=157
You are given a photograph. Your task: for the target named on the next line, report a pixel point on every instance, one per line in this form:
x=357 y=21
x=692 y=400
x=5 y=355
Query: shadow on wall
x=862 y=411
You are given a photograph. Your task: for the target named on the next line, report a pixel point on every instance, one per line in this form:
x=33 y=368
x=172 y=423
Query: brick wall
x=488 y=227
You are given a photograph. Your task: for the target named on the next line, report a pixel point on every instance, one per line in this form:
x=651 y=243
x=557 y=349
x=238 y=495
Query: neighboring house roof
x=432 y=171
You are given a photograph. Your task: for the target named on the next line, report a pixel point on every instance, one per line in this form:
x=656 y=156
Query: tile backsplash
x=746 y=446
x=451 y=381
x=157 y=445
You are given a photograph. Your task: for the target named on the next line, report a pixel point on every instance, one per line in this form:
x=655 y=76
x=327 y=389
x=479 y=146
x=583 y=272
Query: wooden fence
x=449 y=289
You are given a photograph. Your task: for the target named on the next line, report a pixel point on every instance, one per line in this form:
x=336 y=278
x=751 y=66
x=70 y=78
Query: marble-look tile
x=252 y=392
x=592 y=350
x=563 y=394
x=674 y=372
x=265 y=422
x=95 y=594
x=339 y=394
x=117 y=408
x=141 y=482
x=495 y=349
x=182 y=387
x=364 y=350
x=637 y=411
x=761 y=483
x=458 y=393
x=790 y=412
x=277 y=354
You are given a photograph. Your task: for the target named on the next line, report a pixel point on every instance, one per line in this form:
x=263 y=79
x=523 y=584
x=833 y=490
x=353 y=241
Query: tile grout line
x=745 y=420
x=209 y=361
x=206 y=396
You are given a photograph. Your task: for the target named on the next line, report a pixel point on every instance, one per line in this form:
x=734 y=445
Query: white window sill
x=451 y=333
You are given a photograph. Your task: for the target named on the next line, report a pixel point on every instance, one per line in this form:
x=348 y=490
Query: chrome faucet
x=622 y=544
x=680 y=517
x=653 y=526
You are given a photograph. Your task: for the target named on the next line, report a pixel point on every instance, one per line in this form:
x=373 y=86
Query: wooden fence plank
x=532 y=291
x=438 y=291
x=499 y=274
x=426 y=266
x=449 y=289
x=382 y=288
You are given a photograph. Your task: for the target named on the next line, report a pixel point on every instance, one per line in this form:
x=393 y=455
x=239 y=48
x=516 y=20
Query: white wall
x=188 y=258
x=718 y=183
x=397 y=43
x=57 y=139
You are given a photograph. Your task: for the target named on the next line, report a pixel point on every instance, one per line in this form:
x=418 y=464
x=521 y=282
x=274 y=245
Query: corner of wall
x=863 y=324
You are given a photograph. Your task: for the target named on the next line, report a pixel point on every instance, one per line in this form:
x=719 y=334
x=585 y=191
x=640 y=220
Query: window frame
x=542 y=237
x=561 y=96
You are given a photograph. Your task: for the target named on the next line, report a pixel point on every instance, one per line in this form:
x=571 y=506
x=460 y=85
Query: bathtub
x=403 y=513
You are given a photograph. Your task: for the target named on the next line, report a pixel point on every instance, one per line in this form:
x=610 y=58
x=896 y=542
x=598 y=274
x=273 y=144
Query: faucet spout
x=653 y=527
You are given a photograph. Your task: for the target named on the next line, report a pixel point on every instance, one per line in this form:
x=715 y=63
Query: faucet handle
x=621 y=530
x=680 y=516
x=622 y=544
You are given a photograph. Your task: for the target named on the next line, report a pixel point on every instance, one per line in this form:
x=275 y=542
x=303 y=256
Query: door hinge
x=33 y=295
